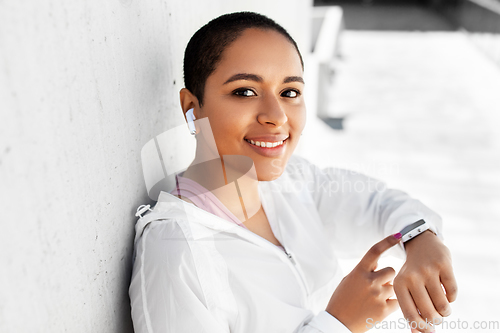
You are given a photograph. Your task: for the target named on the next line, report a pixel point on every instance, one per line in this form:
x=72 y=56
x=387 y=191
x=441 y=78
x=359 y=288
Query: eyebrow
x=257 y=78
x=289 y=79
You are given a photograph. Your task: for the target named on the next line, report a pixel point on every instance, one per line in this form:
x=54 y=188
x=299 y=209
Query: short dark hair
x=205 y=47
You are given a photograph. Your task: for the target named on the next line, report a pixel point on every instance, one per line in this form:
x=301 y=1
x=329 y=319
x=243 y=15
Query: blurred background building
x=404 y=91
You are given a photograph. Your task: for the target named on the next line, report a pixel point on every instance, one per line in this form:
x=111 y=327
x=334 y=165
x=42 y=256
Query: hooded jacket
x=195 y=272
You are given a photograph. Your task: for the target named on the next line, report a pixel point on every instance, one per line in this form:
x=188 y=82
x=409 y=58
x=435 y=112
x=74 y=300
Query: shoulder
x=163 y=239
x=303 y=175
x=300 y=166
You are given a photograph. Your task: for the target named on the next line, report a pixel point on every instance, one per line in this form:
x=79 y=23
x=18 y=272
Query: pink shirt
x=204 y=199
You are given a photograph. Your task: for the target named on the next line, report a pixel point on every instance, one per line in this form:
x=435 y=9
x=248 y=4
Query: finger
x=438 y=297
x=424 y=304
x=450 y=285
x=387 y=291
x=384 y=275
x=410 y=310
x=392 y=306
x=369 y=261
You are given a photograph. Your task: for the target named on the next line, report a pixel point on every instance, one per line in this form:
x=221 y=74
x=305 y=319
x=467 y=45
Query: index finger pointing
x=369 y=261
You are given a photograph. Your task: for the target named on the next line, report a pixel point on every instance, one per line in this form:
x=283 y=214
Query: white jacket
x=196 y=272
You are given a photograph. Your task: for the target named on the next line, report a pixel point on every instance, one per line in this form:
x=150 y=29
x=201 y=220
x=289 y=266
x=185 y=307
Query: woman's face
x=255 y=94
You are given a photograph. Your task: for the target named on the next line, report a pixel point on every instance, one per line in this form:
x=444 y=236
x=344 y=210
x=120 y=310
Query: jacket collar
x=170 y=206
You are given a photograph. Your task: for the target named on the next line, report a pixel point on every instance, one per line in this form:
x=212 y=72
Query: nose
x=272 y=112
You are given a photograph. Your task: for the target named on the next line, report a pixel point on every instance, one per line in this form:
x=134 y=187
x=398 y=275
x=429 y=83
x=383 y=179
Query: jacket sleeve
x=324 y=322
x=357 y=211
x=165 y=292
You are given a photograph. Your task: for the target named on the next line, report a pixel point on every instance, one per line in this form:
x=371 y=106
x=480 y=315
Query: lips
x=268 y=138
x=268 y=148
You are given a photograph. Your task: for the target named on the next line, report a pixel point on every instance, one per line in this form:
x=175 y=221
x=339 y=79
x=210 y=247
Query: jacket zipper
x=289 y=257
x=298 y=275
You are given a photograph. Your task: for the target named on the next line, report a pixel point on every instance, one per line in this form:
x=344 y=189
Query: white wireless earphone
x=190 y=120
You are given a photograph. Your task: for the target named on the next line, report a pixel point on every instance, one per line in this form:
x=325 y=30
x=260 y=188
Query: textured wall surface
x=83 y=86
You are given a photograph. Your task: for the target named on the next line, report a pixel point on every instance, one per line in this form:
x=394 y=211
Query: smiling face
x=255 y=95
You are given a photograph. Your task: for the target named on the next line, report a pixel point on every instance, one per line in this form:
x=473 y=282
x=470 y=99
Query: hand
x=364 y=294
x=418 y=284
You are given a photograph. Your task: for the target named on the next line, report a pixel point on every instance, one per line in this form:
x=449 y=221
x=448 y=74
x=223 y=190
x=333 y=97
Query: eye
x=291 y=93
x=244 y=92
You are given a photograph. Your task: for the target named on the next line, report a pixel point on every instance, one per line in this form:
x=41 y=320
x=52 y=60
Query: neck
x=233 y=180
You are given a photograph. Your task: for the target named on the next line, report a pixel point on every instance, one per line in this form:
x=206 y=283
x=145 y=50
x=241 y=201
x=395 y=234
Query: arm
x=418 y=284
x=358 y=210
x=363 y=297
x=165 y=292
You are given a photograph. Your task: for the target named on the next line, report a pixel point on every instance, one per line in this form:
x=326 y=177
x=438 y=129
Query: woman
x=247 y=242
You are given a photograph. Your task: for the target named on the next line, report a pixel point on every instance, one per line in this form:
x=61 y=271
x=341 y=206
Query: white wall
x=83 y=86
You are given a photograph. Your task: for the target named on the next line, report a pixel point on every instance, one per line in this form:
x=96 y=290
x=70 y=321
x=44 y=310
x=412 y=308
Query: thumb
x=369 y=261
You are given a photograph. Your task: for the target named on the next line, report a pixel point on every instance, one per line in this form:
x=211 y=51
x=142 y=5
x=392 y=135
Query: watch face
x=412 y=227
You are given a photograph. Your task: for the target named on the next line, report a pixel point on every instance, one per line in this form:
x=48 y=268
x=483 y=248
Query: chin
x=271 y=170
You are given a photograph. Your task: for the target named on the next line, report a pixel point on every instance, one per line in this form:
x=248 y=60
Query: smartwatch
x=413 y=230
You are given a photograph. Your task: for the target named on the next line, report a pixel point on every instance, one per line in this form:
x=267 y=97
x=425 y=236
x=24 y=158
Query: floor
x=421 y=111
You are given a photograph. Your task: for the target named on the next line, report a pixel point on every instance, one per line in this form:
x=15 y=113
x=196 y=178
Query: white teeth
x=265 y=144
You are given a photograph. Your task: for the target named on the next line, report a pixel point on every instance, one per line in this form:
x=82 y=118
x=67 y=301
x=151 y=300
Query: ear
x=188 y=101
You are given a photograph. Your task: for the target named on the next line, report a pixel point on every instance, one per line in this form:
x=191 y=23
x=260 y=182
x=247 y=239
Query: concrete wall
x=83 y=86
